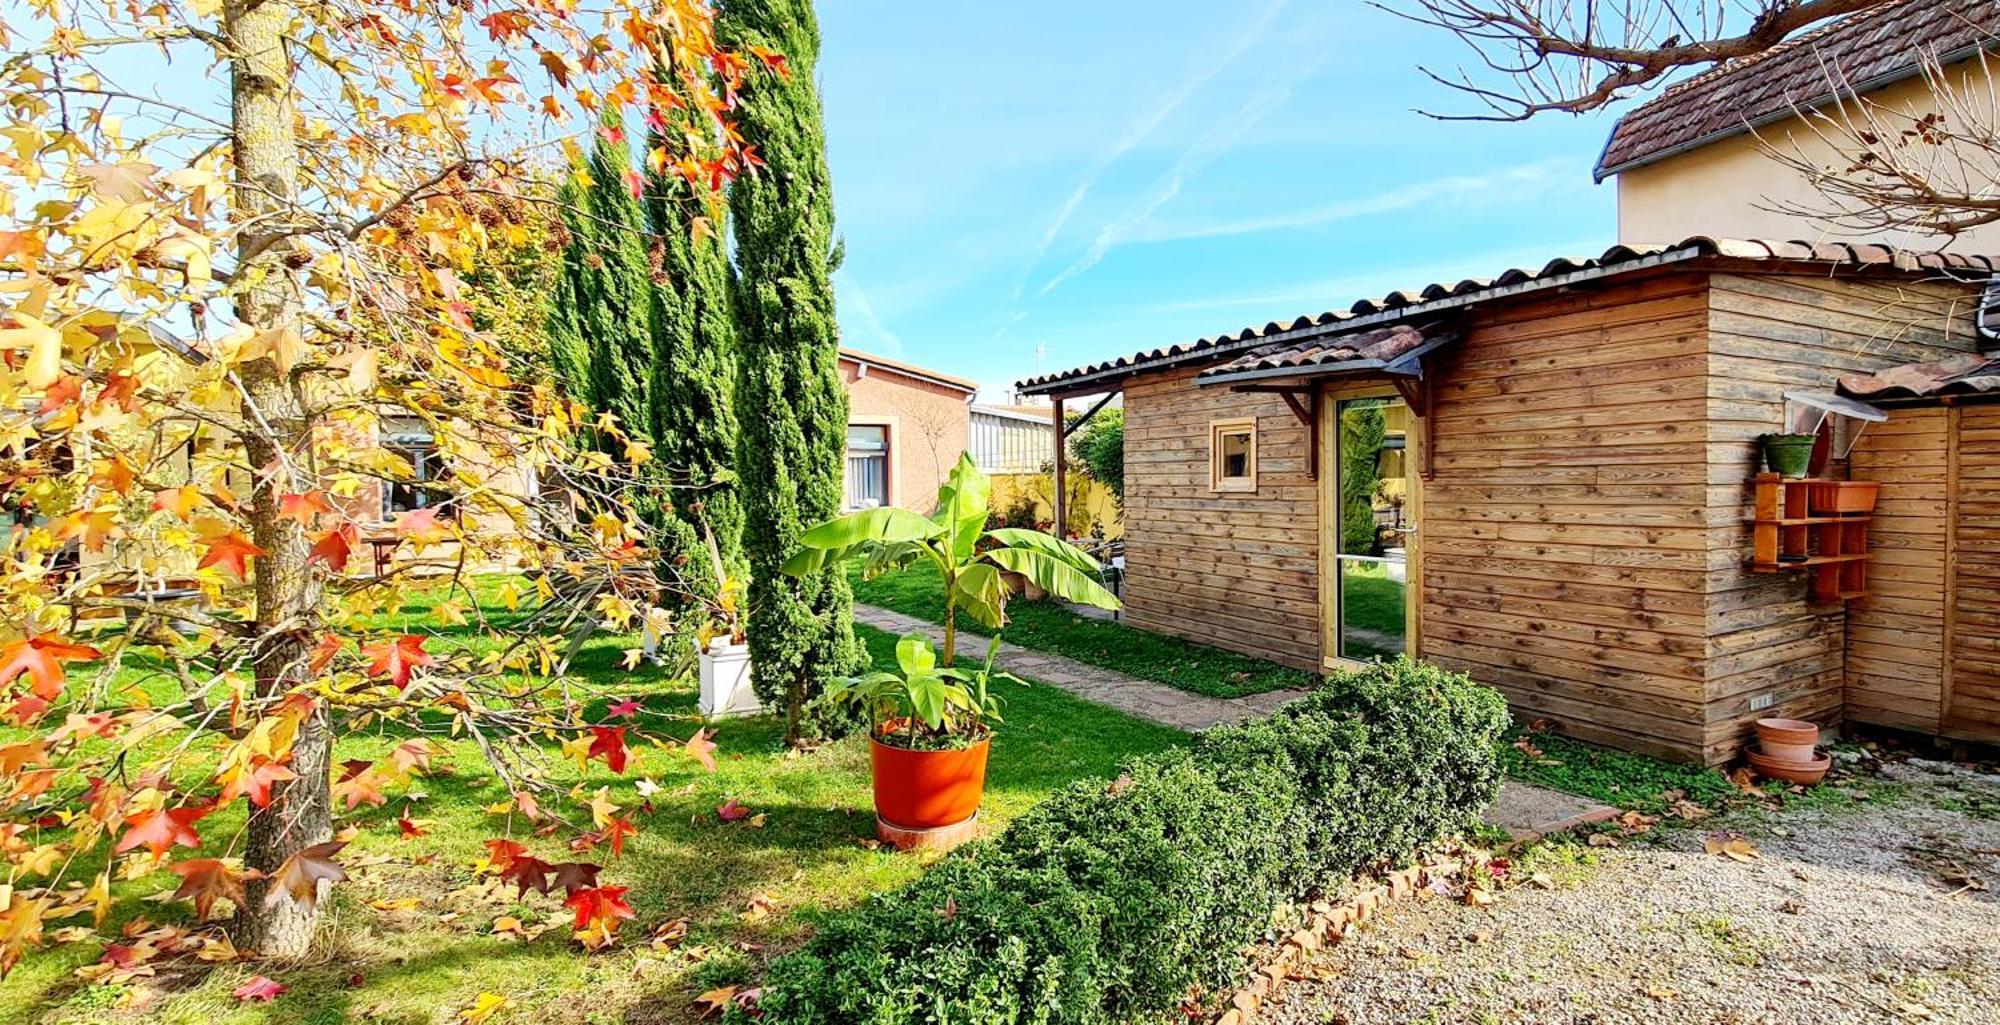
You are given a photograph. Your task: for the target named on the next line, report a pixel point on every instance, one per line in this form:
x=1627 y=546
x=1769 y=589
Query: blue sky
x=1037 y=184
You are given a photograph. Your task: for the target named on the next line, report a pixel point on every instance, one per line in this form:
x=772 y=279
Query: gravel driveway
x=1871 y=912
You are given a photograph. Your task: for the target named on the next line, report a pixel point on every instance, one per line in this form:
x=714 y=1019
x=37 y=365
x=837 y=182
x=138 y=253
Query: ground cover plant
x=1049 y=626
x=726 y=867
x=1115 y=899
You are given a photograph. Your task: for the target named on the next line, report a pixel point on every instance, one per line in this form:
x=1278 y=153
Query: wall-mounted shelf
x=1814 y=525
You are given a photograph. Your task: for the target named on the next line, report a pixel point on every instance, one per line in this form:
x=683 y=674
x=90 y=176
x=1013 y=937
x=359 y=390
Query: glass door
x=1374 y=529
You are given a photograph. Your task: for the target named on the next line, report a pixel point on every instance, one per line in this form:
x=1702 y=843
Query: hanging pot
x=1788 y=455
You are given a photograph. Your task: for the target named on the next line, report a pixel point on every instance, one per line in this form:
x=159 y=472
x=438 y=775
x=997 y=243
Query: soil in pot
x=928 y=789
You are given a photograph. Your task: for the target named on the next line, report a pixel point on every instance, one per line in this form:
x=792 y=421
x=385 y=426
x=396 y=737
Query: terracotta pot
x=927 y=789
x=1787 y=740
x=1846 y=497
x=1805 y=772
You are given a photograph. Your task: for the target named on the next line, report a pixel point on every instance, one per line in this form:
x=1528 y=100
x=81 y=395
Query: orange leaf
x=259 y=989
x=160 y=829
x=701 y=748
x=41 y=657
x=180 y=501
x=204 y=881
x=396 y=658
x=230 y=553
x=304 y=508
x=302 y=873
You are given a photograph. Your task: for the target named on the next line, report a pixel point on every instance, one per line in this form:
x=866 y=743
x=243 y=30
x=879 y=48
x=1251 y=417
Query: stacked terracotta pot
x=1787 y=749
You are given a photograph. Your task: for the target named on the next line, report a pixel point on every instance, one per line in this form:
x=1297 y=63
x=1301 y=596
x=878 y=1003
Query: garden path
x=1522 y=809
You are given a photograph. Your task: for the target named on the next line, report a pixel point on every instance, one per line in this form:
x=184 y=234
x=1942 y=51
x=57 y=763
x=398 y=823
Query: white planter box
x=725 y=681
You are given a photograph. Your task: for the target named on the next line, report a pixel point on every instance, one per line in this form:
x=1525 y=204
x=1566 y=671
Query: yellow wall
x=1734 y=188
x=1103 y=509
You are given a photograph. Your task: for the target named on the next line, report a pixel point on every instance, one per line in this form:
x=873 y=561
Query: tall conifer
x=791 y=404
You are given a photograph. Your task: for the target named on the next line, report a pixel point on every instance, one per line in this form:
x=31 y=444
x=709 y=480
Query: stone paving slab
x=1522 y=809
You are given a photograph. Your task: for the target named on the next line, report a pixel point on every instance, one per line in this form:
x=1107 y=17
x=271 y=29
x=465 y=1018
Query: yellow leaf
x=483 y=1007
x=44 y=345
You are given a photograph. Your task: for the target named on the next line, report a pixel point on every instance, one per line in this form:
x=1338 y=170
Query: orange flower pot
x=1844 y=498
x=927 y=789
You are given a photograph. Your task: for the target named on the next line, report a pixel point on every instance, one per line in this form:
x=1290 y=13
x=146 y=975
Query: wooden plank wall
x=1236 y=570
x=1769 y=334
x=1895 y=636
x=1972 y=687
x=1566 y=526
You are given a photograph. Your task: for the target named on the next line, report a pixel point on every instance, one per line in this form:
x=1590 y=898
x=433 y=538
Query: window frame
x=886 y=455
x=1217 y=430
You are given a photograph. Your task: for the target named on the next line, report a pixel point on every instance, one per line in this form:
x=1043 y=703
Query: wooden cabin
x=1545 y=480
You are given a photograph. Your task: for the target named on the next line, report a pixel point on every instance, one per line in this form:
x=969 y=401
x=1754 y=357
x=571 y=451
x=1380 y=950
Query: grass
x=1617 y=778
x=411 y=938
x=1048 y=626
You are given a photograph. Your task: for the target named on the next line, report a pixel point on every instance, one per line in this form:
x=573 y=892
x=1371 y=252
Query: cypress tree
x=794 y=409
x=605 y=299
x=693 y=381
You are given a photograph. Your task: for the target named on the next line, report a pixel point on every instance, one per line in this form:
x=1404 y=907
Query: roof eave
x=1100 y=380
x=1882 y=81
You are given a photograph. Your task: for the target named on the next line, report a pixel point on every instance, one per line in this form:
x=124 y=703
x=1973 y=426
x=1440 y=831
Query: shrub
x=1107 y=902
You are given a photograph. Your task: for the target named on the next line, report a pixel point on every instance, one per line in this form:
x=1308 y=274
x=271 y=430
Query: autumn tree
x=1929 y=170
x=694 y=425
x=214 y=310
x=791 y=404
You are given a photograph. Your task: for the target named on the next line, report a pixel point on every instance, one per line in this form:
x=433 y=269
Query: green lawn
x=1048 y=626
x=411 y=938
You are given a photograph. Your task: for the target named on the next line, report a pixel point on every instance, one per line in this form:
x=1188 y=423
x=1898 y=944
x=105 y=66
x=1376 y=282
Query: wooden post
x=1062 y=473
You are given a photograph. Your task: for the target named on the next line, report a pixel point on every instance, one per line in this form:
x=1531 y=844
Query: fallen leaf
x=259 y=989
x=483 y=1007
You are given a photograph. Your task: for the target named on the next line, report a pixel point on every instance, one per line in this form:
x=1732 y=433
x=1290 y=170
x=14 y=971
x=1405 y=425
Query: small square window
x=1232 y=455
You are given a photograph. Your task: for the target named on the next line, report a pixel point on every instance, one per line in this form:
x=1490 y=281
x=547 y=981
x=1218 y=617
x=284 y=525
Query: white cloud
x=1512 y=184
x=1140 y=130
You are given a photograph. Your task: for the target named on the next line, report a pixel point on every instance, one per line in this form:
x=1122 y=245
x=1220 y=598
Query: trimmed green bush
x=1107 y=902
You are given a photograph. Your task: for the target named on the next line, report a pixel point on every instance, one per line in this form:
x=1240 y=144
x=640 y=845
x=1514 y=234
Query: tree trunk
x=276 y=438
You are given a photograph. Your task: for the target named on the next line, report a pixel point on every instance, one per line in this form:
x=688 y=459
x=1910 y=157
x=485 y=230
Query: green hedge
x=1108 y=901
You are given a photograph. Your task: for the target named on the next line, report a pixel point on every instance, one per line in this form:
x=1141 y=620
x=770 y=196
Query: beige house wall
x=928 y=425
x=1734 y=188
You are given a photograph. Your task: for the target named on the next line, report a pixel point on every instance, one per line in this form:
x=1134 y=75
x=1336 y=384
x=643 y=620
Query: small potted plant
x=930 y=726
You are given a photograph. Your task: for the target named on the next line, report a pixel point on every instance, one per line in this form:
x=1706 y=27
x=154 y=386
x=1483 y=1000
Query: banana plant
x=925 y=696
x=969 y=557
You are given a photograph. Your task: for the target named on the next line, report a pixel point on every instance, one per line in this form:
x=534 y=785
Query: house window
x=1232 y=455
x=420 y=491
x=867 y=466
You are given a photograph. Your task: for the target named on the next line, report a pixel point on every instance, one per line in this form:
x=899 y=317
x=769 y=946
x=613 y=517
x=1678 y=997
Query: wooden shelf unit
x=1789 y=532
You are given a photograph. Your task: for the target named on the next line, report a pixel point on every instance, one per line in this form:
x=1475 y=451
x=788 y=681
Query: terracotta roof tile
x=1381 y=345
x=1398 y=306
x=1969 y=373
x=1862 y=51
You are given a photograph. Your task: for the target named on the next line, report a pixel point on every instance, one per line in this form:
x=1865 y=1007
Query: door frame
x=1330 y=397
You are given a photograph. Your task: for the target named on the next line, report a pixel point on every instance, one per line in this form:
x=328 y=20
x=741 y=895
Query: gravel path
x=1846 y=915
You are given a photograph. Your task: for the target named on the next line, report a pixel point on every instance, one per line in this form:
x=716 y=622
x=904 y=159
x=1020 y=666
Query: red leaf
x=609 y=742
x=396 y=658
x=259 y=989
x=334 y=547
x=160 y=829
x=41 y=657
x=626 y=709
x=409 y=827
x=599 y=905
x=257 y=783
x=528 y=873
x=575 y=875
x=731 y=810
